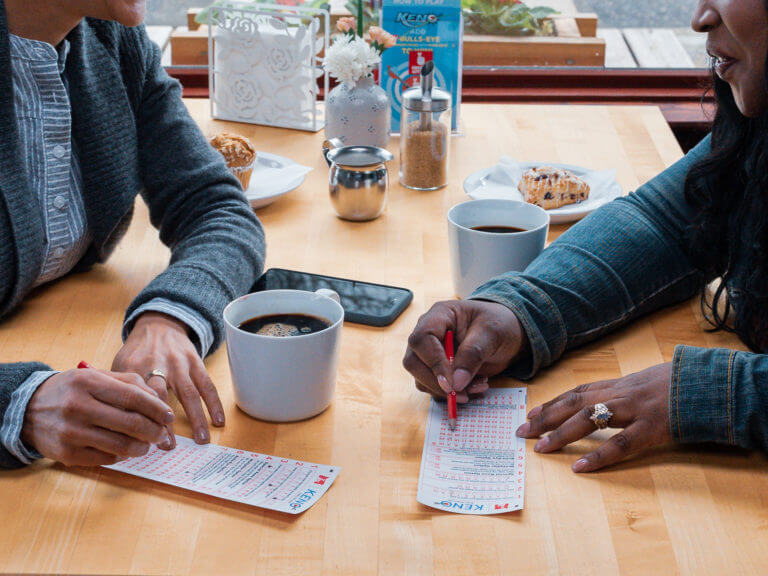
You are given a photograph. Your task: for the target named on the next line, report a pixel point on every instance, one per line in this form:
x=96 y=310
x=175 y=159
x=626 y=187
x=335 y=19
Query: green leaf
x=542 y=12
x=500 y=17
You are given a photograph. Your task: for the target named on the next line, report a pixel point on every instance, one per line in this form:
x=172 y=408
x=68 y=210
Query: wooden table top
x=685 y=510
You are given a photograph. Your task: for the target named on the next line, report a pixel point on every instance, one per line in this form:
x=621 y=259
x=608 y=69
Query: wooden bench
x=617 y=53
x=657 y=48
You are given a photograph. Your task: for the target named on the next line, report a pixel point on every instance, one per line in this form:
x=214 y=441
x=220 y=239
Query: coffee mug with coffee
x=490 y=237
x=283 y=348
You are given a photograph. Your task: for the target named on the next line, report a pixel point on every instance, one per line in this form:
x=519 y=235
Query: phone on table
x=363 y=302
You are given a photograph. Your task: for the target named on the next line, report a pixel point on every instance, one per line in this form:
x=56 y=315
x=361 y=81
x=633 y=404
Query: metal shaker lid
x=426 y=97
x=359 y=156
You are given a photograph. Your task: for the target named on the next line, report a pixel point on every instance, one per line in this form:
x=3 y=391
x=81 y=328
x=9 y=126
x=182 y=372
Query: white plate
x=478 y=186
x=268 y=184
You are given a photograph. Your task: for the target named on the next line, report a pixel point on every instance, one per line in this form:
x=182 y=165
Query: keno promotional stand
x=426 y=30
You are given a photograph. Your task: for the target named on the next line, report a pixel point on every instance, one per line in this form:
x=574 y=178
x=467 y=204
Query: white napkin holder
x=263 y=64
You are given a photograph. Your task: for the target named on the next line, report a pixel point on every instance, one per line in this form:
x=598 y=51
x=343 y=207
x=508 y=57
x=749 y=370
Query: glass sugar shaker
x=425 y=134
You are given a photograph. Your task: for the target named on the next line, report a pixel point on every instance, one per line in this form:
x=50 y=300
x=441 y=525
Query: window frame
x=683 y=95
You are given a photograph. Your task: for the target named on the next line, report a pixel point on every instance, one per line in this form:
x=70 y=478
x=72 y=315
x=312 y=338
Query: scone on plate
x=552 y=187
x=239 y=154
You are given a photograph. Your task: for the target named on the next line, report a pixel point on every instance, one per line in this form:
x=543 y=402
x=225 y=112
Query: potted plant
x=506 y=18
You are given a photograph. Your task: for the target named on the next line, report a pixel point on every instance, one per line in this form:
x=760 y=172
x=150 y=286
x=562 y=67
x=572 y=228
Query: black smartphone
x=363 y=302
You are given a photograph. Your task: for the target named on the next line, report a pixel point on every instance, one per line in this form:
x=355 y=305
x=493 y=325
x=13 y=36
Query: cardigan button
x=60 y=202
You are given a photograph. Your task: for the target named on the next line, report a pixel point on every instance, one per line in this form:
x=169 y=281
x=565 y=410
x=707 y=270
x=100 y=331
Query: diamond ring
x=601 y=416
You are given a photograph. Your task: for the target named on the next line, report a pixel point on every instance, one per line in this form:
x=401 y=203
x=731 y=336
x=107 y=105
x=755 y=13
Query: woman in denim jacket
x=703 y=219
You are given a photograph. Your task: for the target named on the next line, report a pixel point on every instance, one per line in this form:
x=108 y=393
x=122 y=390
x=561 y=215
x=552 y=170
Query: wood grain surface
x=687 y=510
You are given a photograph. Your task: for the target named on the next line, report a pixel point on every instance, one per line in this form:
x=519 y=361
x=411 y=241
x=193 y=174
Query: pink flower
x=346 y=24
x=382 y=38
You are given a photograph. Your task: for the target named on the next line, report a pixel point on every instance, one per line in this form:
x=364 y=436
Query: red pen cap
x=449 y=346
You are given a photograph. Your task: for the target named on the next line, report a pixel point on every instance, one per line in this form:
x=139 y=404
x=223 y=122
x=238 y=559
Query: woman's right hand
x=88 y=417
x=488 y=335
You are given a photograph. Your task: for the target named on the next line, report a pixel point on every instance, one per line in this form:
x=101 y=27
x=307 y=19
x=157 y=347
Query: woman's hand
x=489 y=337
x=639 y=403
x=159 y=342
x=93 y=417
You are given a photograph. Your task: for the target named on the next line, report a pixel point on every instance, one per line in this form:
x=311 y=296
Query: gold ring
x=601 y=416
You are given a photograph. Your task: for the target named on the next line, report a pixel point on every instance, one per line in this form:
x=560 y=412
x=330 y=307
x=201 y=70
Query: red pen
x=84 y=364
x=452 y=411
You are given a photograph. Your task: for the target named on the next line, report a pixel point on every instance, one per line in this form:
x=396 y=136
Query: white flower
x=350 y=59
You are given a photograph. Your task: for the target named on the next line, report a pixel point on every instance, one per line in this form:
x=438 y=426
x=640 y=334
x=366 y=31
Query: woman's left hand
x=160 y=342
x=639 y=403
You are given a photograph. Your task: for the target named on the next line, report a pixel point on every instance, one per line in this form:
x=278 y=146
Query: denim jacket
x=627 y=259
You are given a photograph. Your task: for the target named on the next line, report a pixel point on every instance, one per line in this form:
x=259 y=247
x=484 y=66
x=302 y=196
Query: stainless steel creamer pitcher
x=358 y=179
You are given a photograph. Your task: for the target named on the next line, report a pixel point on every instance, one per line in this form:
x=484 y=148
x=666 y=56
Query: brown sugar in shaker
x=425 y=134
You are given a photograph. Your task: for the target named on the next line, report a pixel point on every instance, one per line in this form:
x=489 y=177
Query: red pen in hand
x=452 y=410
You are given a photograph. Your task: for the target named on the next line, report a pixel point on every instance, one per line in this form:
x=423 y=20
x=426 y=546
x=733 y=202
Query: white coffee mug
x=289 y=378
x=478 y=256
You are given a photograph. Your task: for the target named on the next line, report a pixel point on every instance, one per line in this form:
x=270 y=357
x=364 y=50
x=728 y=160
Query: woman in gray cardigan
x=89 y=120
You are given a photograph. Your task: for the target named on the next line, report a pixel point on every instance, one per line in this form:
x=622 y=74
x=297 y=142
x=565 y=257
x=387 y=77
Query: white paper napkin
x=273 y=176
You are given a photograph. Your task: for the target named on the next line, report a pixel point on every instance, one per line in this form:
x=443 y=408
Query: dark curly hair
x=729 y=188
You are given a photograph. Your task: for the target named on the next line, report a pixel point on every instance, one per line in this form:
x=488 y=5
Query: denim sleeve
x=719 y=395
x=624 y=260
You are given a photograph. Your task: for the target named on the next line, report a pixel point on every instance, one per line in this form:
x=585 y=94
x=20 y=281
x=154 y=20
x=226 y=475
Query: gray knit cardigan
x=133 y=135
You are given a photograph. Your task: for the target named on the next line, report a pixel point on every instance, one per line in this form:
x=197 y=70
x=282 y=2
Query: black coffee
x=285 y=325
x=499 y=229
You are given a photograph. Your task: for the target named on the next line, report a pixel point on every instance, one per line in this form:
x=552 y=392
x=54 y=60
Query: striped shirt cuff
x=10 y=432
x=193 y=319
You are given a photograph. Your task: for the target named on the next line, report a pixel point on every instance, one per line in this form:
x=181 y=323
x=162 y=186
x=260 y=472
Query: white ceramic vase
x=359 y=114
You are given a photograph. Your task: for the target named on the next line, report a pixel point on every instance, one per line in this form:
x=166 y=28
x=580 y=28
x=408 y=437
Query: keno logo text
x=461 y=505
x=304 y=498
x=415 y=20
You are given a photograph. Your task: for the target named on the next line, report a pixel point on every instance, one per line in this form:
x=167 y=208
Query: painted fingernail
x=461 y=379
x=218 y=419
x=479 y=386
x=535 y=412
x=202 y=436
x=166 y=444
x=542 y=444
x=168 y=417
x=522 y=432
x=580 y=465
x=443 y=383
